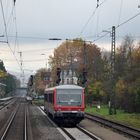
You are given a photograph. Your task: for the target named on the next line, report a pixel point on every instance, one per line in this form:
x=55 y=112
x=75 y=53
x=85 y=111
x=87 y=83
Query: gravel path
x=42 y=129
x=5 y=113
x=102 y=132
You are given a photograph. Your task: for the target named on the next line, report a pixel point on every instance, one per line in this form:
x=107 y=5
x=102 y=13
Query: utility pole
x=85 y=65
x=1 y=40
x=21 y=64
x=71 y=62
x=112 y=74
x=46 y=61
x=71 y=65
x=85 y=58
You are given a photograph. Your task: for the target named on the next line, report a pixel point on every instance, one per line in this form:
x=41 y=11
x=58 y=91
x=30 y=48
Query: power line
x=33 y=50
x=30 y=60
x=93 y=36
x=128 y=20
x=117 y=26
x=98 y=5
x=5 y=27
x=37 y=50
x=6 y=33
x=101 y=37
x=88 y=21
x=35 y=60
x=16 y=33
x=31 y=37
x=120 y=12
x=9 y=18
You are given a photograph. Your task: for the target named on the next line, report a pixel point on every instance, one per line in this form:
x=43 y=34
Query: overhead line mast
x=21 y=65
x=112 y=74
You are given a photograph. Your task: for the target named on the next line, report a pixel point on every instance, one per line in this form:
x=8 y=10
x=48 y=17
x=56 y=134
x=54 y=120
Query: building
x=68 y=76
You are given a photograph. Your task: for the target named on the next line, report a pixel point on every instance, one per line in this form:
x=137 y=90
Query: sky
x=36 y=21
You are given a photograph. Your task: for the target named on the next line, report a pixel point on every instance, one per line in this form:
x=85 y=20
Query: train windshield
x=69 y=97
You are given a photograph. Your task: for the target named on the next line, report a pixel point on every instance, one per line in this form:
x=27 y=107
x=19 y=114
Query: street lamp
x=45 y=59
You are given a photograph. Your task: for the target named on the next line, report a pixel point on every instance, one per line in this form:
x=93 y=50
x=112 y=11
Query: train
x=29 y=99
x=65 y=103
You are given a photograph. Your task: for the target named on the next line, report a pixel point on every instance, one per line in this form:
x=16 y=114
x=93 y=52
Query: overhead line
x=101 y=37
x=25 y=60
x=16 y=33
x=35 y=50
x=4 y=21
x=31 y=37
x=117 y=26
x=128 y=20
x=91 y=17
x=120 y=12
x=8 y=21
x=6 y=33
x=88 y=21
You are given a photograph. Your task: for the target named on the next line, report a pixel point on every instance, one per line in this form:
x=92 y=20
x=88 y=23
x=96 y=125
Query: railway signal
x=97 y=3
x=58 y=72
x=84 y=76
x=14 y=2
x=31 y=80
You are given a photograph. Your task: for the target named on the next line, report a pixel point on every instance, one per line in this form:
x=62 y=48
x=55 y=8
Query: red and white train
x=65 y=103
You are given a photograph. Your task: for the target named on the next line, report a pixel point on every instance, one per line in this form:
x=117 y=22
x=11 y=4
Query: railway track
x=74 y=133
x=78 y=133
x=16 y=126
x=115 y=125
x=5 y=103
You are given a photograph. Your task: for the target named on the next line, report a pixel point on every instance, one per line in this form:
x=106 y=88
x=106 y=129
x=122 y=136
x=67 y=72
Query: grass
x=38 y=102
x=130 y=119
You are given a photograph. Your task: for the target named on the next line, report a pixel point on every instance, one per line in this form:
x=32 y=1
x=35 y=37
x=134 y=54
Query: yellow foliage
x=136 y=55
x=3 y=74
x=120 y=86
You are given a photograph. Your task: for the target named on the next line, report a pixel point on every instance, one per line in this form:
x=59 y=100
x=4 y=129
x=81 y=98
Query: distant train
x=29 y=99
x=65 y=103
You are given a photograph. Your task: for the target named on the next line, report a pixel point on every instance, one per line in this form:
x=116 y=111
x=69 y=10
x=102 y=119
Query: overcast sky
x=39 y=20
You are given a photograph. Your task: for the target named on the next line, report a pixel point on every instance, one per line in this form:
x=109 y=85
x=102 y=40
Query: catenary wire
x=84 y=27
x=120 y=12
x=121 y=24
x=128 y=20
x=6 y=33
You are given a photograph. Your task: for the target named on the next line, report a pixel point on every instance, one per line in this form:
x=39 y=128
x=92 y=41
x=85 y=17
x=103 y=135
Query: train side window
x=45 y=97
x=50 y=97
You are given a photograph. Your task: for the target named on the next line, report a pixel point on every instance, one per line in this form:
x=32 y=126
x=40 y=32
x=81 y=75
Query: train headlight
x=79 y=109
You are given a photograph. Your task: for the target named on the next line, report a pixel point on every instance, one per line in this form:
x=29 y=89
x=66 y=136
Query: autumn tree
x=8 y=82
x=124 y=57
x=78 y=54
x=66 y=54
x=127 y=75
x=39 y=82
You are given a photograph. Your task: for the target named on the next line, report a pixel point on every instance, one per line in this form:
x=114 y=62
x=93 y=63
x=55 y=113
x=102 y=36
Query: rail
x=25 y=125
x=10 y=122
x=73 y=129
x=115 y=125
x=94 y=137
x=5 y=102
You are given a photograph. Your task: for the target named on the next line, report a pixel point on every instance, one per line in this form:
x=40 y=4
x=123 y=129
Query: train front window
x=68 y=97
